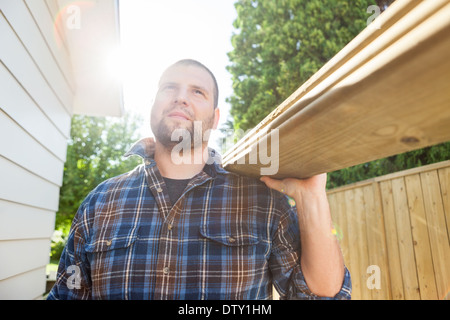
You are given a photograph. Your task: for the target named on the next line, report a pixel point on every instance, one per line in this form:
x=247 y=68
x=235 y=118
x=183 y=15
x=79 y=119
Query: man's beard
x=170 y=135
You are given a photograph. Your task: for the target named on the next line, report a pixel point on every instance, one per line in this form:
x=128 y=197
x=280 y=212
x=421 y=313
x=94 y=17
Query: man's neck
x=179 y=165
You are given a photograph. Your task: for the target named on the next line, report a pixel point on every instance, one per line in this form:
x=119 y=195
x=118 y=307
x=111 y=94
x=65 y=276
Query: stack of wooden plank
x=387 y=92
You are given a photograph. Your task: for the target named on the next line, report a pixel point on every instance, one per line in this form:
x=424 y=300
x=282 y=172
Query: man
x=191 y=230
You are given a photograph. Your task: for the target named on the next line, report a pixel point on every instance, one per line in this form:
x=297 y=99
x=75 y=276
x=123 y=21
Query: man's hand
x=298 y=188
x=321 y=261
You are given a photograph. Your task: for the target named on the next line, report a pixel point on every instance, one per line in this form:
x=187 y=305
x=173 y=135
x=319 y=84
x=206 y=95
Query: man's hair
x=192 y=62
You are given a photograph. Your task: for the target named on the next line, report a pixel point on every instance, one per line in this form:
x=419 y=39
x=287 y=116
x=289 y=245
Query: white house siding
x=36 y=98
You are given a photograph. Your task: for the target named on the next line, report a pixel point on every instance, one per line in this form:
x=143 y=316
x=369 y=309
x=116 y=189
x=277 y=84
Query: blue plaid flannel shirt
x=227 y=237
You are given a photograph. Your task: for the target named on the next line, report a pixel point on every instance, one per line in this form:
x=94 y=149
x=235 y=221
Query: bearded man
x=190 y=229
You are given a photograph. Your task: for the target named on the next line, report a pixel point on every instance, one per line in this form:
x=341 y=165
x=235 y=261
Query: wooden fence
x=394 y=233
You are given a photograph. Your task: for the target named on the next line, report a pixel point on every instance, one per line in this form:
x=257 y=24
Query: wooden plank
x=18 y=149
x=404 y=173
x=333 y=208
x=345 y=111
x=335 y=215
x=338 y=213
x=421 y=241
x=392 y=241
x=357 y=184
x=354 y=264
x=376 y=240
x=444 y=179
x=341 y=224
x=361 y=243
x=33 y=254
x=25 y=222
x=437 y=230
x=407 y=259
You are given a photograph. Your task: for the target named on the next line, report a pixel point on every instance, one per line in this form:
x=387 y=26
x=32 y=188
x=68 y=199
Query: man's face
x=185 y=95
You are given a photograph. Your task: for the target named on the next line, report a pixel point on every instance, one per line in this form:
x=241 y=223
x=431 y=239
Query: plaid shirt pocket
x=110 y=252
x=235 y=261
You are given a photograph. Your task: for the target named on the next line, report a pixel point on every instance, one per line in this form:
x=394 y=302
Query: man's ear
x=216 y=118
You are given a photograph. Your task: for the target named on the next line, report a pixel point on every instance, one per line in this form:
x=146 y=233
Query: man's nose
x=181 y=97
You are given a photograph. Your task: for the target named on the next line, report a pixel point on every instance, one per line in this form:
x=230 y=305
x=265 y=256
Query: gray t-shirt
x=175 y=188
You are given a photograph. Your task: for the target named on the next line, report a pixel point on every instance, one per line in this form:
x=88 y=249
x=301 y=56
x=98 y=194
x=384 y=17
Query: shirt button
x=108 y=242
x=166 y=270
x=159 y=190
x=231 y=240
x=170 y=227
x=147 y=162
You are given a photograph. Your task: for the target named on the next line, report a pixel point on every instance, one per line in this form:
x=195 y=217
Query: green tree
x=388 y=165
x=280 y=44
x=94 y=153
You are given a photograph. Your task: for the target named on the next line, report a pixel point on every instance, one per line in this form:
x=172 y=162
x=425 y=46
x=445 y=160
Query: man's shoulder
x=125 y=178
x=253 y=186
x=130 y=179
x=259 y=202
x=110 y=191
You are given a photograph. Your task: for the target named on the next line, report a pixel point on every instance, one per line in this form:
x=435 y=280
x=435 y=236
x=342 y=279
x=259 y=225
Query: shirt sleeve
x=73 y=277
x=285 y=265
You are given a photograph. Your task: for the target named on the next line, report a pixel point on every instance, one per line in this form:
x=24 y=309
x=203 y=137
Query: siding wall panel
x=25 y=222
x=33 y=254
x=20 y=64
x=38 y=85
x=24 y=286
x=46 y=24
x=26 y=187
x=24 y=24
x=36 y=94
x=29 y=153
x=17 y=104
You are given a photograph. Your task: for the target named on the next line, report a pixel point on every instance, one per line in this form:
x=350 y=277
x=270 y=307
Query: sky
x=156 y=33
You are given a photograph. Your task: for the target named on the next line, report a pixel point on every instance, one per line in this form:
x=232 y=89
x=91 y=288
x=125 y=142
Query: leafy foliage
x=280 y=44
x=388 y=165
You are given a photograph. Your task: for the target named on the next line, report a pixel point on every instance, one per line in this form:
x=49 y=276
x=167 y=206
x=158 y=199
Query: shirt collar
x=145 y=148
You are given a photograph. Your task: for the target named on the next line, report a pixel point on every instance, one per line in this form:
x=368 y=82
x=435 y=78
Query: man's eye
x=199 y=92
x=168 y=88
